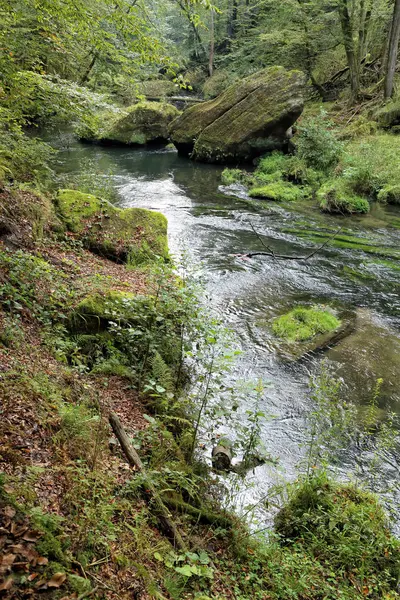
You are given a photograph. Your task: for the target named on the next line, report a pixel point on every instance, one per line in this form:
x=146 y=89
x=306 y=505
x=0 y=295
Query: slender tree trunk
x=351 y=54
x=232 y=20
x=393 y=49
x=85 y=76
x=212 y=43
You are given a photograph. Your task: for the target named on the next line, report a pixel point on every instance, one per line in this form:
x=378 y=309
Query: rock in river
x=248 y=119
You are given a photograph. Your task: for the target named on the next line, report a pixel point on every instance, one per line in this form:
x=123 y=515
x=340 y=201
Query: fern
x=161 y=372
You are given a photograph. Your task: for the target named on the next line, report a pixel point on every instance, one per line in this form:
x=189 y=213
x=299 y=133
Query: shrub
x=277 y=190
x=335 y=197
x=217 y=83
x=344 y=528
x=372 y=164
x=304 y=323
x=230 y=176
x=316 y=143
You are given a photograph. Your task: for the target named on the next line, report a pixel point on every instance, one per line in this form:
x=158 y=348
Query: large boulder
x=248 y=119
x=142 y=123
x=131 y=235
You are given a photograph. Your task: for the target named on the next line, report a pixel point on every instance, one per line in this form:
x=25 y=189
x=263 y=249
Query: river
x=215 y=224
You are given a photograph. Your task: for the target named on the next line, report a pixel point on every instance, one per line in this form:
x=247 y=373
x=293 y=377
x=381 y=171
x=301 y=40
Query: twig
x=261 y=240
x=87 y=594
x=287 y=256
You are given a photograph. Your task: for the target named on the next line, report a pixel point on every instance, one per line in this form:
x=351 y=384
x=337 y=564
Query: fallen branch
x=152 y=496
x=287 y=256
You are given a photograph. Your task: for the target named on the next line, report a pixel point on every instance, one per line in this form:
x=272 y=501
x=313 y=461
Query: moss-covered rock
x=142 y=123
x=389 y=115
x=248 y=119
x=303 y=323
x=130 y=235
x=334 y=197
x=95 y=311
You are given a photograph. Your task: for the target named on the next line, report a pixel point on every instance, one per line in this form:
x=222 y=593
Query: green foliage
x=389 y=194
x=22 y=158
x=372 y=164
x=336 y=196
x=344 y=528
x=230 y=176
x=217 y=83
x=304 y=323
x=280 y=191
x=32 y=283
x=317 y=144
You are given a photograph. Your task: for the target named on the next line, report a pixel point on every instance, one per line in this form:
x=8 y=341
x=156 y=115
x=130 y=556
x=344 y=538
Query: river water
x=215 y=224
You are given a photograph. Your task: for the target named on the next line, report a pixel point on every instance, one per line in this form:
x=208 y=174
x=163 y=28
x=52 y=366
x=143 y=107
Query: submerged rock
x=131 y=235
x=248 y=119
x=142 y=123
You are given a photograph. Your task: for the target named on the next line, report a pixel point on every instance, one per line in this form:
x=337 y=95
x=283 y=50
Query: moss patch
x=131 y=235
x=302 y=323
x=280 y=191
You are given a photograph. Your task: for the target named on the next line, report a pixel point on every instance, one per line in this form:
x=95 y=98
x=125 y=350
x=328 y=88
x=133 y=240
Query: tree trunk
x=232 y=20
x=212 y=42
x=392 y=50
x=347 y=31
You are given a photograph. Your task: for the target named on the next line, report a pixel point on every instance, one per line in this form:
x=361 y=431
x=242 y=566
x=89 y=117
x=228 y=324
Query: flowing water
x=215 y=224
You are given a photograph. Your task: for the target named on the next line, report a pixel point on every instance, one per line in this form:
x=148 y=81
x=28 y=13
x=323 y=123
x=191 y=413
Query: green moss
x=304 y=323
x=79 y=585
x=132 y=235
x=277 y=190
x=389 y=194
x=333 y=197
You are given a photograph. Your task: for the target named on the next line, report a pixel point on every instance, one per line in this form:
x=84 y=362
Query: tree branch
x=287 y=256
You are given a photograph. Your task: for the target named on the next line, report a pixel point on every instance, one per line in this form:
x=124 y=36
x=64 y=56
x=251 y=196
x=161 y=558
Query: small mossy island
x=140 y=124
x=130 y=235
x=302 y=323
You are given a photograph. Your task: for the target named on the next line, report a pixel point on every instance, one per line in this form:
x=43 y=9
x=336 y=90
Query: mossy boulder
x=131 y=235
x=389 y=115
x=142 y=123
x=95 y=311
x=248 y=119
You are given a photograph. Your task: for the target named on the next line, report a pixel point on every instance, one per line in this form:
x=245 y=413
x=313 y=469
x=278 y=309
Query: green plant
x=335 y=196
x=317 y=144
x=303 y=323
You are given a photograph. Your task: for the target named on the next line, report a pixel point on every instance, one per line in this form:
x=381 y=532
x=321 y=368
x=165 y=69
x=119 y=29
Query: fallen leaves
x=19 y=556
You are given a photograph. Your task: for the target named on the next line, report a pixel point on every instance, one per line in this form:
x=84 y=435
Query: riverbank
x=75 y=521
